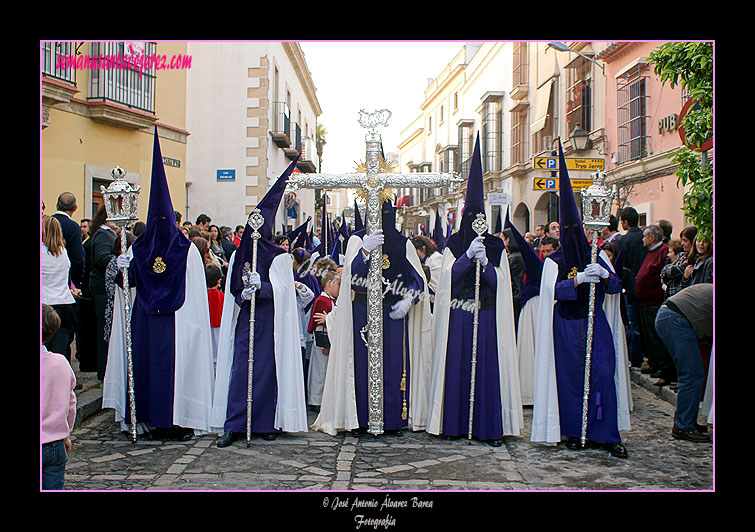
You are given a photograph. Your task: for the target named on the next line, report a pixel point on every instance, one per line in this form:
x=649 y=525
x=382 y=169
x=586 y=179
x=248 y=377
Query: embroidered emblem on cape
x=158 y=266
x=386 y=262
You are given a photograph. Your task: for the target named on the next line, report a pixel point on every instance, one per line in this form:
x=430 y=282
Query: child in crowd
x=214 y=276
x=674 y=249
x=58 y=406
x=330 y=280
x=303 y=275
x=321 y=266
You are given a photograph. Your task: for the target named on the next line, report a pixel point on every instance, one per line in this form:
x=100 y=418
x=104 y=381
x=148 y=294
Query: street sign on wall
x=498 y=198
x=572 y=163
x=226 y=175
x=551 y=183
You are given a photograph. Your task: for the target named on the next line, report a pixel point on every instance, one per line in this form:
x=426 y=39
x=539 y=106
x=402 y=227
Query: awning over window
x=540 y=109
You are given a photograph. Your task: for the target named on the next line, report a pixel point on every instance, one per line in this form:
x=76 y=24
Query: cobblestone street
x=104 y=458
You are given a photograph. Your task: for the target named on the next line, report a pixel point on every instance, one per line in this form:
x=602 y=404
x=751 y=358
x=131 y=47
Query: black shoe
x=573 y=444
x=359 y=432
x=183 y=434
x=268 y=436
x=689 y=435
x=394 y=432
x=227 y=439
x=494 y=443
x=617 y=449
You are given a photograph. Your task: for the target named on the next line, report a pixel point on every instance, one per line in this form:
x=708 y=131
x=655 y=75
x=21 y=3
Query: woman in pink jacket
x=58 y=411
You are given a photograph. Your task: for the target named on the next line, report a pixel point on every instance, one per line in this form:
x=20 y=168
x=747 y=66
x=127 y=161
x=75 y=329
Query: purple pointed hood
x=160 y=252
x=358 y=224
x=438 y=237
x=533 y=266
x=474 y=203
x=267 y=250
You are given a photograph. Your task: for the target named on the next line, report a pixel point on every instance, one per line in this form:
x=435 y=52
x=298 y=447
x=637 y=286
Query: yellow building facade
x=96 y=115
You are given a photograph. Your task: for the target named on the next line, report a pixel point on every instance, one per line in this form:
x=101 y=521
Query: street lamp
x=580 y=138
x=561 y=47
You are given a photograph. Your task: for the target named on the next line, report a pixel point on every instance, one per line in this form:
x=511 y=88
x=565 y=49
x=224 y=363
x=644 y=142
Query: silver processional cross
x=374 y=183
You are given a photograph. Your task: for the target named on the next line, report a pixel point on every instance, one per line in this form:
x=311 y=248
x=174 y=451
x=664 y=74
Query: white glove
x=584 y=277
x=477 y=251
x=373 y=240
x=122 y=261
x=253 y=283
x=597 y=269
x=400 y=309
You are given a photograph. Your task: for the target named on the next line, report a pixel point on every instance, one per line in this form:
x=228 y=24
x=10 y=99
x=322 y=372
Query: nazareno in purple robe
x=570 y=343
x=395 y=332
x=570 y=321
x=487 y=416
x=264 y=388
x=264 y=380
x=161 y=292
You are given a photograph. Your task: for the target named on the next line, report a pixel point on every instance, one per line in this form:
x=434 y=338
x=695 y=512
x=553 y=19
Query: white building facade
x=251 y=108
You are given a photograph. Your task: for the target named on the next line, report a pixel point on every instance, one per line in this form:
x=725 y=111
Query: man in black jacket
x=633 y=252
x=66 y=206
x=71 y=235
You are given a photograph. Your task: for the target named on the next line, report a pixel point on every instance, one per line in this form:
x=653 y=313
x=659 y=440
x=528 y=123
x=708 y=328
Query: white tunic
x=339 y=411
x=192 y=399
x=508 y=367
x=290 y=411
x=546 y=426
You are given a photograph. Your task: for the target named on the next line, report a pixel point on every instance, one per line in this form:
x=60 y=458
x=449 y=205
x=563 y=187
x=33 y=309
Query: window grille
x=632 y=105
x=521 y=64
x=125 y=84
x=466 y=145
x=492 y=134
x=51 y=64
x=519 y=135
x=578 y=95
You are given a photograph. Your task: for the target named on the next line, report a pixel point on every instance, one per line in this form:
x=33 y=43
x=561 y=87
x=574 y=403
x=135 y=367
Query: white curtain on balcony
x=540 y=109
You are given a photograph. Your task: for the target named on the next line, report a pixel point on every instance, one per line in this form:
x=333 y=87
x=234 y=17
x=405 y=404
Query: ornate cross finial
x=372 y=120
x=479 y=225
x=256 y=220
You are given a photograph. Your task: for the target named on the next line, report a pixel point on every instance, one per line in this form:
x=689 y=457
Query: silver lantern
x=122 y=207
x=596 y=210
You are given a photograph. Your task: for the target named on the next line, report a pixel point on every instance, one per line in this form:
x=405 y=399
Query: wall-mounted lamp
x=561 y=47
x=580 y=138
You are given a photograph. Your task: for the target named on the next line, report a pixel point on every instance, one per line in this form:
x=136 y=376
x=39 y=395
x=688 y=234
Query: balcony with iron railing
x=294 y=148
x=308 y=160
x=280 y=129
x=58 y=76
x=55 y=62
x=120 y=94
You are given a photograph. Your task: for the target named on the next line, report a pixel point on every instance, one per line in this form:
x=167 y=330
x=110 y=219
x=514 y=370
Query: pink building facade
x=642 y=118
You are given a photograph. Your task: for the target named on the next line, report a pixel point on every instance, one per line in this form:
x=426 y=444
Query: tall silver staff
x=479 y=226
x=255 y=221
x=596 y=209
x=122 y=207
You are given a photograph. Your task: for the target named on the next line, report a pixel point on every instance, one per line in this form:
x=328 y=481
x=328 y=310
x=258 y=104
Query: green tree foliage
x=690 y=65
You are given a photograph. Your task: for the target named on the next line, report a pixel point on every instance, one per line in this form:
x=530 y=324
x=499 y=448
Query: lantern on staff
x=596 y=210
x=122 y=207
x=596 y=203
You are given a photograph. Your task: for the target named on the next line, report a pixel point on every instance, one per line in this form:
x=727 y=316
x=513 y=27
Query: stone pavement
x=104 y=458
